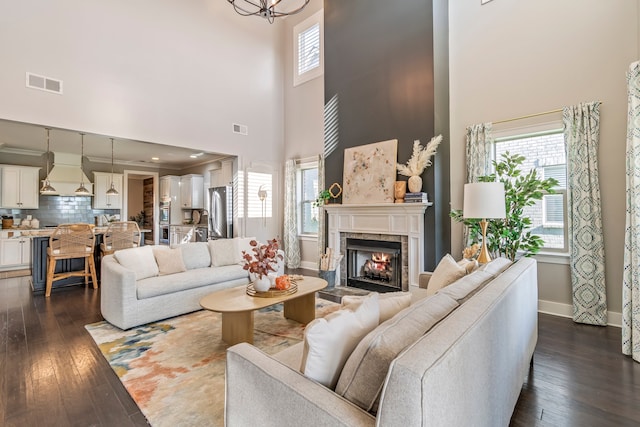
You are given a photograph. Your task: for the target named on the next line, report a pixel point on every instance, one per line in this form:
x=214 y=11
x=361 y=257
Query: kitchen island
x=39 y=245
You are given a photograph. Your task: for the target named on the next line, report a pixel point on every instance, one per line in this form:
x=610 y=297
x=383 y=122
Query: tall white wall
x=510 y=58
x=171 y=72
x=304 y=112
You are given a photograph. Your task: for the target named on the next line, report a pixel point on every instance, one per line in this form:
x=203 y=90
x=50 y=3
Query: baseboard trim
x=309 y=265
x=566 y=310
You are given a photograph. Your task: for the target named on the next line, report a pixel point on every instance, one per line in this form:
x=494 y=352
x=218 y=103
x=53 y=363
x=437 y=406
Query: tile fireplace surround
x=396 y=219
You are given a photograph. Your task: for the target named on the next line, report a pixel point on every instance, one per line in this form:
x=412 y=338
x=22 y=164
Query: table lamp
x=484 y=200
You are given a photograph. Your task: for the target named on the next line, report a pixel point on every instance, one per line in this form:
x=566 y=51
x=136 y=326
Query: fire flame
x=380 y=260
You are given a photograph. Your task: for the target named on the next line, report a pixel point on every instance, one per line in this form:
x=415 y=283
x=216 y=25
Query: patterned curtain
x=586 y=242
x=479 y=151
x=290 y=240
x=631 y=277
x=479 y=156
x=321 y=233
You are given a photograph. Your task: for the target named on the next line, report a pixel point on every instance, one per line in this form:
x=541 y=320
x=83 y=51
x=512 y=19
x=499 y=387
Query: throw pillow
x=447 y=272
x=390 y=303
x=169 y=260
x=140 y=260
x=329 y=341
x=364 y=373
x=496 y=266
x=222 y=252
x=466 y=287
x=196 y=255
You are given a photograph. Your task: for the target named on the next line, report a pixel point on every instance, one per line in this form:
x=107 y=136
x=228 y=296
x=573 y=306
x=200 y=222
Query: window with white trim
x=259 y=194
x=308 y=56
x=306 y=194
x=545 y=152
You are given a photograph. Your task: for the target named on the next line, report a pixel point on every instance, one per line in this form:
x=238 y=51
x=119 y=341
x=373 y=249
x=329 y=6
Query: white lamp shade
x=484 y=200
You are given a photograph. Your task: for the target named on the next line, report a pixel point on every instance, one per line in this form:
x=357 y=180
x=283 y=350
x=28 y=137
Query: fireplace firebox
x=374 y=265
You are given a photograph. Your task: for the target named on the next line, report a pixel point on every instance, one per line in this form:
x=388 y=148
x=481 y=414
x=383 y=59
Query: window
x=259 y=194
x=546 y=153
x=308 y=47
x=307 y=191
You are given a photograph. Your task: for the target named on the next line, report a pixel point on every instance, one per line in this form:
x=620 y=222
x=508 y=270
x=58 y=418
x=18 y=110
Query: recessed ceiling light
x=155 y=158
x=195 y=156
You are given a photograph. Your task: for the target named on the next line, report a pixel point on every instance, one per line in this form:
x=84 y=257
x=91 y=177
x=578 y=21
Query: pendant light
x=47 y=188
x=112 y=191
x=82 y=190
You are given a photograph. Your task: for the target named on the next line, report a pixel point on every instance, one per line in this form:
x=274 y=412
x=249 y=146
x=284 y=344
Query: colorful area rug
x=174 y=369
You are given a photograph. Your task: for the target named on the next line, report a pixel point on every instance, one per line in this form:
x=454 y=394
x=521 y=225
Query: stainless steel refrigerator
x=221 y=212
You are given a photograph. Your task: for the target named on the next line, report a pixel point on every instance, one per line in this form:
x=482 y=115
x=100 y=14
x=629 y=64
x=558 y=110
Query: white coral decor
x=421 y=157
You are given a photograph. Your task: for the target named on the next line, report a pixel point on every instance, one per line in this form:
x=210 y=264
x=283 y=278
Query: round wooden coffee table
x=237 y=307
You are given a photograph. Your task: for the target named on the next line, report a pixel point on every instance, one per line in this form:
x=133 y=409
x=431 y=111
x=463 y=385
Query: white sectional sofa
x=467 y=369
x=150 y=283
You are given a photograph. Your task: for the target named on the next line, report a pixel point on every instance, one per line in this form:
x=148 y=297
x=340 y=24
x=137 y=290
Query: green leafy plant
x=139 y=219
x=506 y=237
x=322 y=199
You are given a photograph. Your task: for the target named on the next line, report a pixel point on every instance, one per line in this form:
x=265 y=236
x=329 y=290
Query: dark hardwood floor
x=52 y=374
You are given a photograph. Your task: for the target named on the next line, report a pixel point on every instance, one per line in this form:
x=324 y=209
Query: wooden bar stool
x=70 y=241
x=120 y=235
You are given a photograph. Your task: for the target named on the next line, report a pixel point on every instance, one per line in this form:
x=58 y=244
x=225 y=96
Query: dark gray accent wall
x=383 y=61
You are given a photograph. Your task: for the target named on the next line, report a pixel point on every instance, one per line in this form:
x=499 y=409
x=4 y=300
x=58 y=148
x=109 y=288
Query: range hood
x=66 y=174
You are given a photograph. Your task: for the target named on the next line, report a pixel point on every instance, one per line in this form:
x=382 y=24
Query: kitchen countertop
x=45 y=232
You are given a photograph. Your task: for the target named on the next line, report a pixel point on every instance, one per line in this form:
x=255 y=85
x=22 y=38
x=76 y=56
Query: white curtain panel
x=290 y=240
x=321 y=215
x=586 y=242
x=479 y=157
x=631 y=275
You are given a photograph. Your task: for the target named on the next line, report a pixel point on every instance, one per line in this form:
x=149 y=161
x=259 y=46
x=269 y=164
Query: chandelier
x=269 y=9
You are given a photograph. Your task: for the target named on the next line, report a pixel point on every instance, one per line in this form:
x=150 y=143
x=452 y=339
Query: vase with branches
x=419 y=161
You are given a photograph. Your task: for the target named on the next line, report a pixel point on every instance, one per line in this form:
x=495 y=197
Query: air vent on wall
x=240 y=129
x=35 y=81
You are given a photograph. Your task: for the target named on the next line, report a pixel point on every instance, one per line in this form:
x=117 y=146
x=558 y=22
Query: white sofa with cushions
x=150 y=283
x=457 y=357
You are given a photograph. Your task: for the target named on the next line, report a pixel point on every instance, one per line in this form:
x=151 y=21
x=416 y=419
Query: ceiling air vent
x=240 y=129
x=35 y=81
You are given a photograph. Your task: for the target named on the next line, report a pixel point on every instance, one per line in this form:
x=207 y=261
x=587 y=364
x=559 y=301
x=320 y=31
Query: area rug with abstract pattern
x=174 y=369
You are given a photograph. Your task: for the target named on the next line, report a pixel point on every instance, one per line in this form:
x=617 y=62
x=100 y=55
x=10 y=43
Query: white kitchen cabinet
x=20 y=187
x=192 y=191
x=170 y=189
x=15 y=251
x=223 y=175
x=102 y=183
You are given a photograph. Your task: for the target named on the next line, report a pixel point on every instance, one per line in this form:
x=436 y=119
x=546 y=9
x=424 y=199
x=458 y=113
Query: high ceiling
x=30 y=139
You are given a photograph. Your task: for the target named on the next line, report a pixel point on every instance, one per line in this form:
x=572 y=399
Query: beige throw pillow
x=140 y=260
x=390 y=303
x=223 y=252
x=447 y=272
x=496 y=266
x=169 y=260
x=329 y=341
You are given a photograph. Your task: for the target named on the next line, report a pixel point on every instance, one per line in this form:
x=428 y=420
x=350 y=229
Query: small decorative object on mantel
x=419 y=197
x=335 y=191
x=322 y=199
x=419 y=161
x=399 y=191
x=263 y=261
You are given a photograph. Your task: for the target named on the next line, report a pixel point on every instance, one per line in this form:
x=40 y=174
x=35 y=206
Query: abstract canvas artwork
x=369 y=173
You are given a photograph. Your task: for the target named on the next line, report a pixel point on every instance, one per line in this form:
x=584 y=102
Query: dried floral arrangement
x=471 y=252
x=421 y=157
x=264 y=259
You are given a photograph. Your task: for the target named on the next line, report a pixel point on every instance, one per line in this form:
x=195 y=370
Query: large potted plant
x=509 y=236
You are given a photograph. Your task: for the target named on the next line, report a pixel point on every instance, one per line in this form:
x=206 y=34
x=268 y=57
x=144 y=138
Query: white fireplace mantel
x=403 y=219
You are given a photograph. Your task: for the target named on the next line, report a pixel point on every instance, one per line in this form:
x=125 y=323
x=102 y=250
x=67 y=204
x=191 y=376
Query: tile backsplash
x=56 y=210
